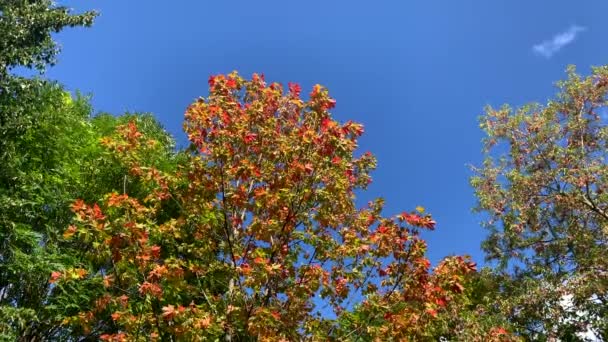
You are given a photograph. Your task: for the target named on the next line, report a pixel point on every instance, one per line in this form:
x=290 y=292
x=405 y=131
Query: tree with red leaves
x=257 y=236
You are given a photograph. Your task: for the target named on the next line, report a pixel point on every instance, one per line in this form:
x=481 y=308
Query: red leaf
x=97 y=214
x=325 y=124
x=259 y=260
x=155 y=250
x=249 y=137
x=55 y=276
x=78 y=205
x=331 y=103
x=440 y=301
x=211 y=81
x=294 y=89
x=457 y=287
x=315 y=90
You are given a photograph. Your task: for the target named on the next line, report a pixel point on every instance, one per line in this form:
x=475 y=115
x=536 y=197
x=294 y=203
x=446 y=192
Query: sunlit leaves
x=543 y=188
x=265 y=238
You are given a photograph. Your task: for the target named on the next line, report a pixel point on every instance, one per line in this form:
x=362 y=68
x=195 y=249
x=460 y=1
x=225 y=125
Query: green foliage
x=233 y=238
x=25 y=41
x=37 y=180
x=52 y=157
x=50 y=154
x=26 y=27
x=543 y=187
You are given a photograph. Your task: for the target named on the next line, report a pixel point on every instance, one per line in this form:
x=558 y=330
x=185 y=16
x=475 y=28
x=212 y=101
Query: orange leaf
x=169 y=312
x=69 y=232
x=55 y=276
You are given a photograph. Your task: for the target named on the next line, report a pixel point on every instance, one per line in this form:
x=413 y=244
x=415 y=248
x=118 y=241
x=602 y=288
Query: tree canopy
x=256 y=235
x=543 y=187
x=26 y=27
x=255 y=231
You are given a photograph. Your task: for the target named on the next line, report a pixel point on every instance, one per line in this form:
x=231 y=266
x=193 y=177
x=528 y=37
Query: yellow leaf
x=69 y=232
x=66 y=98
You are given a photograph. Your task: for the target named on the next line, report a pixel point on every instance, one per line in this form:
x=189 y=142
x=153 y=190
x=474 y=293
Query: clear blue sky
x=416 y=73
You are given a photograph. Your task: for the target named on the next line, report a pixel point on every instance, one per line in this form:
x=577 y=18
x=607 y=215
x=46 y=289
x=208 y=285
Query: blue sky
x=416 y=73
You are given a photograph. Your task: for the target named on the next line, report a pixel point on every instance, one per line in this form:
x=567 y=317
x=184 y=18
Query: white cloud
x=549 y=47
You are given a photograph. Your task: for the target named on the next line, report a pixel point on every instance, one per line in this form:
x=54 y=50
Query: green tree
x=56 y=158
x=543 y=188
x=26 y=27
x=49 y=155
x=35 y=177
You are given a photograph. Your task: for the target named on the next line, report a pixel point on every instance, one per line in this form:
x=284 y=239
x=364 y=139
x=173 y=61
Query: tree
x=264 y=241
x=49 y=155
x=545 y=197
x=37 y=177
x=41 y=128
x=55 y=159
x=26 y=42
x=26 y=27
x=254 y=236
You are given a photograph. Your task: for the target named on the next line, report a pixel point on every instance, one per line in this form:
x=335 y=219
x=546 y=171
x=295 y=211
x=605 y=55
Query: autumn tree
x=265 y=241
x=543 y=189
x=255 y=236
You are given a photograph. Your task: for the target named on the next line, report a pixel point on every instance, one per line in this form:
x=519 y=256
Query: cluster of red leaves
x=267 y=233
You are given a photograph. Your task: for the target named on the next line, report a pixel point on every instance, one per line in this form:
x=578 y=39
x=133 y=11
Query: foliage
x=36 y=179
x=545 y=197
x=26 y=27
x=263 y=240
x=251 y=234
x=49 y=155
x=26 y=42
x=52 y=157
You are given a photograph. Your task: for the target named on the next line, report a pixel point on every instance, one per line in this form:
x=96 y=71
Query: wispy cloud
x=549 y=47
